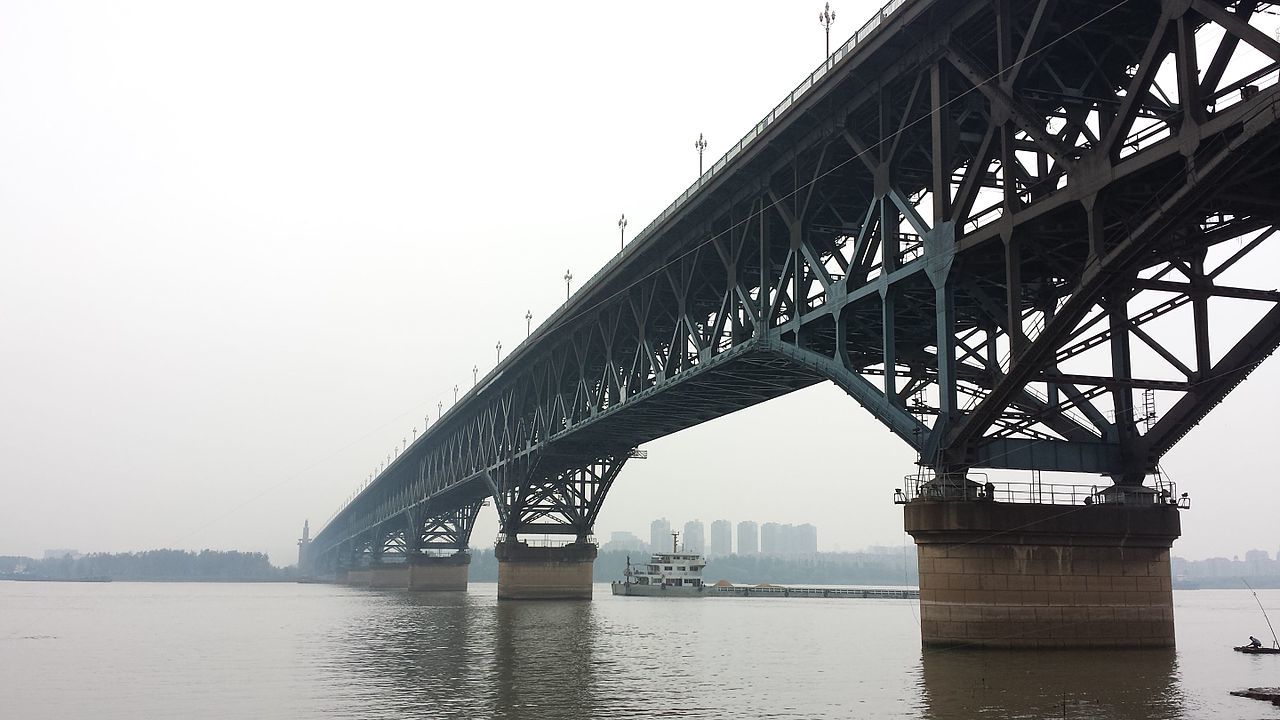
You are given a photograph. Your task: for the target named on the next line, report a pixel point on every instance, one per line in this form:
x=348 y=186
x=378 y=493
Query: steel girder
x=417 y=531
x=968 y=225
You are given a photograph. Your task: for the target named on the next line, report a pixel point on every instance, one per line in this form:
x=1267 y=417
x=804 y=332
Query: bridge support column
x=389 y=575
x=544 y=573
x=439 y=572
x=1013 y=575
x=358 y=577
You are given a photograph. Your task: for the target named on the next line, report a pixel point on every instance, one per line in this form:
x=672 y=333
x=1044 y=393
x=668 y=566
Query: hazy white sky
x=245 y=246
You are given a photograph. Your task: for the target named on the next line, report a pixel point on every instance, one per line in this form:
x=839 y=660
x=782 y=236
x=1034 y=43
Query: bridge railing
x=978 y=488
x=550 y=541
x=778 y=111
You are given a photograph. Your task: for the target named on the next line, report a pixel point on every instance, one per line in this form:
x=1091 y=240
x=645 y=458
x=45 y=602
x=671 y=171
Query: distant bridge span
x=970 y=219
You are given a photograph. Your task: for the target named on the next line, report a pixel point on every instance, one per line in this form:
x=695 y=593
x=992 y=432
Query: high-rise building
x=721 y=538
x=623 y=540
x=806 y=540
x=748 y=538
x=787 y=545
x=771 y=539
x=694 y=539
x=660 y=535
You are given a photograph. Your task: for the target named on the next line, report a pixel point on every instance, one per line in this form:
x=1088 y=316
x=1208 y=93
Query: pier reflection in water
x=543 y=663
x=409 y=655
x=430 y=655
x=405 y=655
x=1131 y=684
x=119 y=651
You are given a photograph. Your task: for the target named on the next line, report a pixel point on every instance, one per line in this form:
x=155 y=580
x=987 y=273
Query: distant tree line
x=154 y=565
x=845 y=568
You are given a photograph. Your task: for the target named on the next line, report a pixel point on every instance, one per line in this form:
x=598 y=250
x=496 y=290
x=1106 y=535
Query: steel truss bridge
x=999 y=225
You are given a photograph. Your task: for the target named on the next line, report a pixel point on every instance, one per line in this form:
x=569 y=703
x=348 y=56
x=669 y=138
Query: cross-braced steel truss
x=1008 y=228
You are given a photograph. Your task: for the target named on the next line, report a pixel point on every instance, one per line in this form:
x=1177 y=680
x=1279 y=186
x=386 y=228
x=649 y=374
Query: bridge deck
x=966 y=220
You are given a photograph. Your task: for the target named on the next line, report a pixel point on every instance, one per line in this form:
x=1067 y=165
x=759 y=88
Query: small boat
x=673 y=574
x=1252 y=650
x=1255 y=647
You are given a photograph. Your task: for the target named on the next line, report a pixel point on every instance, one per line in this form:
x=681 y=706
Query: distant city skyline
x=753 y=538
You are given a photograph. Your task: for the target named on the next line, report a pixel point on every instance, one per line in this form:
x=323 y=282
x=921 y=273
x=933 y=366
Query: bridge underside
x=1021 y=233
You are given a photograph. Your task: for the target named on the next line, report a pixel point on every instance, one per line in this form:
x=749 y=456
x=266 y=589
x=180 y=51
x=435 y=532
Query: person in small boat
x=1254 y=642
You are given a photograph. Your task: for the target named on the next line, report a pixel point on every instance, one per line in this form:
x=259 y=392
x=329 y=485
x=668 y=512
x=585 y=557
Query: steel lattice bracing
x=994 y=223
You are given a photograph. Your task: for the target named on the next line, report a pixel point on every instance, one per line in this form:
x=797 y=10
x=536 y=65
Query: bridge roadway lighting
x=700 y=145
x=475 y=377
x=498 y=347
x=826 y=17
x=622 y=232
x=439 y=410
x=528 y=323
x=568 y=278
x=455 y=394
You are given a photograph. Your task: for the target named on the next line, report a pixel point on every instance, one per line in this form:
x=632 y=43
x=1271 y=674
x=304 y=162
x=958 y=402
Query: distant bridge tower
x=304 y=549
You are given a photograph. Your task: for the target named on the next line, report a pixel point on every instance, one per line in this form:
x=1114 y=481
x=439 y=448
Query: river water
x=161 y=650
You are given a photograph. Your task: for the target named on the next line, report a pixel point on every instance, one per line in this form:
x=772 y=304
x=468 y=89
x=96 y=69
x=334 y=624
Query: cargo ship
x=673 y=574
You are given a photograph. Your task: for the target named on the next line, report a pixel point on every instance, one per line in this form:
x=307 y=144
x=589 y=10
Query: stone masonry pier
x=544 y=573
x=428 y=573
x=1029 y=575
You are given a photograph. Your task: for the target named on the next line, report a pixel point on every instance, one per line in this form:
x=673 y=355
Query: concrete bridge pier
x=389 y=575
x=358 y=576
x=544 y=573
x=439 y=572
x=1021 y=575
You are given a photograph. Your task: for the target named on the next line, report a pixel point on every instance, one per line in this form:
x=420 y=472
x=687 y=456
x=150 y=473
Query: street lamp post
x=475 y=377
x=498 y=347
x=622 y=232
x=528 y=323
x=701 y=145
x=439 y=410
x=568 y=278
x=826 y=17
x=455 y=394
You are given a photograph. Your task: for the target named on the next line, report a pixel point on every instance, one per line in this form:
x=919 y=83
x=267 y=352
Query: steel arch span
x=1000 y=225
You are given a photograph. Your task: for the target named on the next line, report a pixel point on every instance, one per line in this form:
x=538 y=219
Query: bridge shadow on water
x=1129 y=684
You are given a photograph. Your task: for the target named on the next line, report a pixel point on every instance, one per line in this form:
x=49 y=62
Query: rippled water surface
x=136 y=650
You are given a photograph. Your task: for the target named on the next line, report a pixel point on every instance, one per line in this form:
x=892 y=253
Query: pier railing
x=978 y=488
